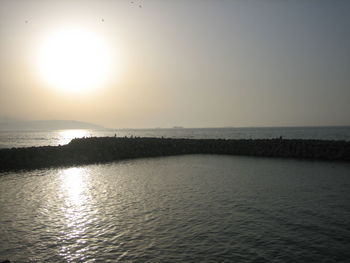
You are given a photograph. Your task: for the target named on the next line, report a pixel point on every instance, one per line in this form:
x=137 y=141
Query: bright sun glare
x=74 y=60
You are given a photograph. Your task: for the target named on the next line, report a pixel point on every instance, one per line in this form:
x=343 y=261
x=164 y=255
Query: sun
x=74 y=60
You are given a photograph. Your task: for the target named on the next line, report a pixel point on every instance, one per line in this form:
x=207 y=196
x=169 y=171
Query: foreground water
x=195 y=208
x=10 y=139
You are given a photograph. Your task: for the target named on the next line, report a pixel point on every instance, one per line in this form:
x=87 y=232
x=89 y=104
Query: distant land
x=11 y=125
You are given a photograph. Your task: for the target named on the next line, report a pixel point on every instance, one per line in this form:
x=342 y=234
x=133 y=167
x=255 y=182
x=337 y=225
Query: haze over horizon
x=176 y=63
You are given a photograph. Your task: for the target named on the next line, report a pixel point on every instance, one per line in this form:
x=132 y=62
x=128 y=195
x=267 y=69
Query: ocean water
x=194 y=208
x=10 y=139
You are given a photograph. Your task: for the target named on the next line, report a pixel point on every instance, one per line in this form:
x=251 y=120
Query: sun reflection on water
x=75 y=210
x=65 y=136
x=74 y=184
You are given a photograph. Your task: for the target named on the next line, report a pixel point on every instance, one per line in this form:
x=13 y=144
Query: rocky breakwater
x=106 y=149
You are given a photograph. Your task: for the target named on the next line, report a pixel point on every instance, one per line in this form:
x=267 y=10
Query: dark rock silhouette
x=107 y=149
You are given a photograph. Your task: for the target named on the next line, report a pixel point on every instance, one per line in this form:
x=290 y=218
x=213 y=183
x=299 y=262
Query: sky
x=233 y=63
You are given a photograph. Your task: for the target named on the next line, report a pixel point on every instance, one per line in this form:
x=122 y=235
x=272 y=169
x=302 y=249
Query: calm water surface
x=195 y=208
x=10 y=139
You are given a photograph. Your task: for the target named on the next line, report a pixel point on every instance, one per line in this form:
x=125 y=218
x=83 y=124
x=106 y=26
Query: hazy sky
x=189 y=63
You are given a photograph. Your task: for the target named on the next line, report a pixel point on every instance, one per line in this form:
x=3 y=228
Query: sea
x=9 y=139
x=191 y=208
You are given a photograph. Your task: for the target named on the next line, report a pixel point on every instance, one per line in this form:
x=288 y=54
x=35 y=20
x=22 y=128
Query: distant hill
x=46 y=125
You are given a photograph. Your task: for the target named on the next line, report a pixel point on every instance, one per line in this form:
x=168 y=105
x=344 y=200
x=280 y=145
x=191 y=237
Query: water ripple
x=178 y=209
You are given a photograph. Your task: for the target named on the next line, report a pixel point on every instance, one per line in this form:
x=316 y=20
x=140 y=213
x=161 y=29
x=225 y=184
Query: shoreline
x=106 y=149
